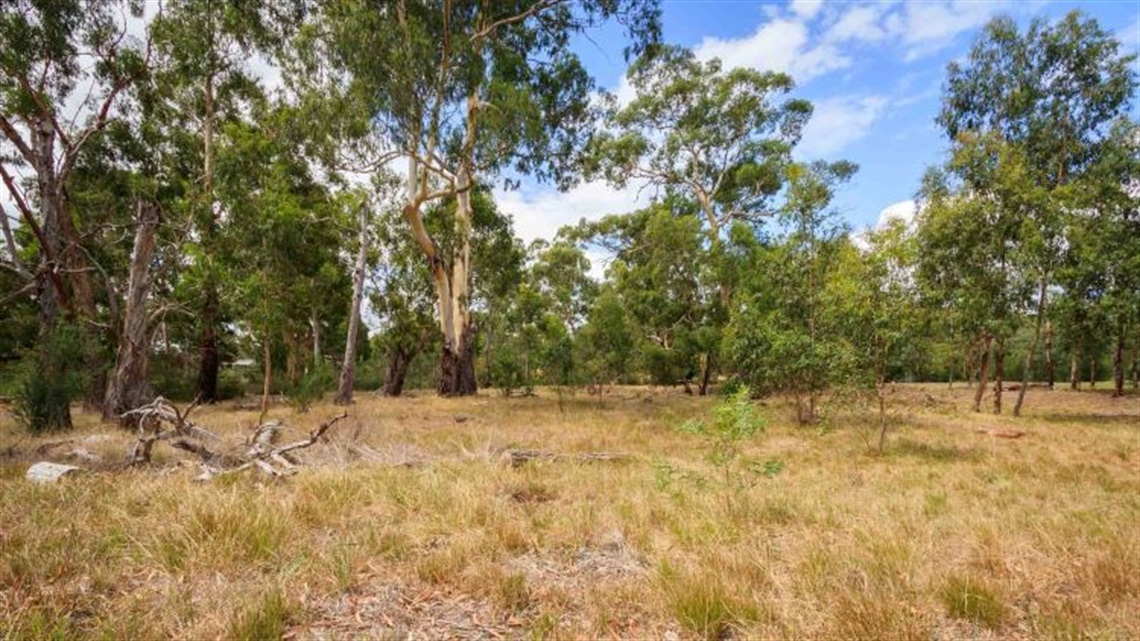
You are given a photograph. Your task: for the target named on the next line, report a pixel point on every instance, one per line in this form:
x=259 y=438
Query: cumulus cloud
x=903 y=210
x=778 y=45
x=838 y=122
x=539 y=214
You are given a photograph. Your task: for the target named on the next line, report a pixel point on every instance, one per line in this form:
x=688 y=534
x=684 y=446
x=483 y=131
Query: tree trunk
x=129 y=387
x=1033 y=348
x=1074 y=370
x=457 y=367
x=1050 y=367
x=1092 y=371
x=706 y=375
x=315 y=325
x=399 y=359
x=210 y=316
x=267 y=378
x=1118 y=364
x=348 y=368
x=983 y=372
x=999 y=372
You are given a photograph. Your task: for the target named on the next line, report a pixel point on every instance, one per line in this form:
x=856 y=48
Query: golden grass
x=950 y=533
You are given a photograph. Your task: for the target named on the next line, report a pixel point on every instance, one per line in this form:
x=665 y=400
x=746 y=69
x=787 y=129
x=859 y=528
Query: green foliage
x=734 y=421
x=52 y=376
x=314 y=383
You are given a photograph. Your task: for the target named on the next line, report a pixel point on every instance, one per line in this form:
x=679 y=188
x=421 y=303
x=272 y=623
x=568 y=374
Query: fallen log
x=519 y=457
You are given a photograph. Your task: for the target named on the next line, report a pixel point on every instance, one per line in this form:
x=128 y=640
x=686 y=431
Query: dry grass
x=949 y=534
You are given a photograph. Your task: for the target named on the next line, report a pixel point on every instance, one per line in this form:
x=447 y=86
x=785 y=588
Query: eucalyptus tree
x=64 y=66
x=203 y=81
x=1049 y=96
x=722 y=138
x=463 y=93
x=661 y=272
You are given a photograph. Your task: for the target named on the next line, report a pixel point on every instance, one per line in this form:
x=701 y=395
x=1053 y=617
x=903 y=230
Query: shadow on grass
x=934 y=452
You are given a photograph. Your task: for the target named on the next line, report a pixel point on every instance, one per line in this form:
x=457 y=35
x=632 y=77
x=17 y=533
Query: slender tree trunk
x=983 y=372
x=1074 y=370
x=881 y=389
x=1092 y=370
x=267 y=379
x=1050 y=366
x=315 y=325
x=1118 y=364
x=348 y=368
x=706 y=374
x=209 y=319
x=999 y=372
x=1033 y=348
x=129 y=387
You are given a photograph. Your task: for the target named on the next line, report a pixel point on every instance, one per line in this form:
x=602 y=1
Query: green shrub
x=231 y=384
x=312 y=386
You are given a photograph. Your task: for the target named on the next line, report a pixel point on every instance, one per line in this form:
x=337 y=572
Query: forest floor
x=411 y=522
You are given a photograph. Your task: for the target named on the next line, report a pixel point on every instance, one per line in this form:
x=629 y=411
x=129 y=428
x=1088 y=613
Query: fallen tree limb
x=160 y=420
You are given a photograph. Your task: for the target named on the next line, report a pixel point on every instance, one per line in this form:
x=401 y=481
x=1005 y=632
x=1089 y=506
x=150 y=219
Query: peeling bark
x=129 y=387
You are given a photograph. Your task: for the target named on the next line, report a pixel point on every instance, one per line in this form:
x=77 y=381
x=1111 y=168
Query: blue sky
x=874 y=71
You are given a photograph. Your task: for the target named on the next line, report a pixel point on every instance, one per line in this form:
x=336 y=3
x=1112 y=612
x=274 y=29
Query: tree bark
x=399 y=359
x=457 y=367
x=999 y=372
x=1074 y=370
x=1050 y=366
x=1118 y=364
x=348 y=367
x=1033 y=348
x=706 y=375
x=129 y=387
x=983 y=372
x=267 y=377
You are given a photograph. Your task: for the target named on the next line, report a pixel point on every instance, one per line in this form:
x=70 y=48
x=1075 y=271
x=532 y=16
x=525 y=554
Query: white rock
x=46 y=472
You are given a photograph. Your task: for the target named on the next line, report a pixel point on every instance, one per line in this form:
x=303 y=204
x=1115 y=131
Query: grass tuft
x=970 y=600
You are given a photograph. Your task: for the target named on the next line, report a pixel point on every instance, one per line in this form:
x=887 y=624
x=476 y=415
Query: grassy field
x=412 y=523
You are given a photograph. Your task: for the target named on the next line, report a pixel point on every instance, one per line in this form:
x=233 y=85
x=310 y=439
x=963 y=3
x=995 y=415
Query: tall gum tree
x=463 y=92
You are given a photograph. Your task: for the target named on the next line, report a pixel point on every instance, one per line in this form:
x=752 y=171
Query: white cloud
x=838 y=122
x=862 y=23
x=926 y=27
x=778 y=45
x=903 y=210
x=806 y=9
x=540 y=214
